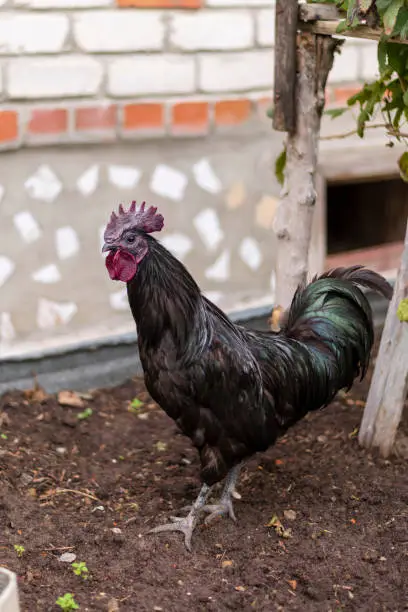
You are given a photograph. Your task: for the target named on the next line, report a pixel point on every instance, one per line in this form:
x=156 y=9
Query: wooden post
x=293 y=222
x=286 y=23
x=318 y=240
x=388 y=390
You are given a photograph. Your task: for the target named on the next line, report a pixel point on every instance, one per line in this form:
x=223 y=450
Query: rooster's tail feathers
x=360 y=276
x=332 y=316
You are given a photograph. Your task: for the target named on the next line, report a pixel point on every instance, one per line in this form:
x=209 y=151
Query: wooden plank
x=318 y=244
x=319 y=12
x=359 y=163
x=383 y=258
x=329 y=28
x=286 y=22
x=389 y=385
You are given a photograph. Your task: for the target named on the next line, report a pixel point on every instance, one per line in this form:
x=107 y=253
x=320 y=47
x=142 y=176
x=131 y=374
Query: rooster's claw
x=223 y=508
x=185 y=525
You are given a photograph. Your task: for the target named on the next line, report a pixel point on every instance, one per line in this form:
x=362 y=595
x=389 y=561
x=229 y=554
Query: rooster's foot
x=187 y=524
x=223 y=508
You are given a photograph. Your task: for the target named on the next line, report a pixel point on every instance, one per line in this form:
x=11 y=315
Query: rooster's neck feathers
x=164 y=297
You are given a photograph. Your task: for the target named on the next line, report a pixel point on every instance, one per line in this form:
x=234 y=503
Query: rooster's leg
x=187 y=524
x=225 y=506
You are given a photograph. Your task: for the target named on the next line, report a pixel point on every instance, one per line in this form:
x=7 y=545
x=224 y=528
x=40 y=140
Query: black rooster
x=233 y=392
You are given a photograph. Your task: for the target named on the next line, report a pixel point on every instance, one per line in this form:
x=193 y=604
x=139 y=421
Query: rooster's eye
x=130 y=238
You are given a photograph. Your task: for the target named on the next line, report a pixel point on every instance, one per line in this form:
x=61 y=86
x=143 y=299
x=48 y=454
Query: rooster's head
x=126 y=239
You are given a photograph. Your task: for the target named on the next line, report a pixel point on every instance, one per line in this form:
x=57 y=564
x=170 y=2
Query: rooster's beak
x=107 y=247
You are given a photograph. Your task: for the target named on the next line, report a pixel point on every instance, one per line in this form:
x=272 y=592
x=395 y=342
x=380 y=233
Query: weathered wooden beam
x=319 y=12
x=286 y=25
x=325 y=18
x=329 y=28
x=389 y=385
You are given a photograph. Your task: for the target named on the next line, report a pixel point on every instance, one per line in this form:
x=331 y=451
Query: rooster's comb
x=142 y=219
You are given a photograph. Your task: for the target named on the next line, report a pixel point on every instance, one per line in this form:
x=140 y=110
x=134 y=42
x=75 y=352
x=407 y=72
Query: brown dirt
x=349 y=539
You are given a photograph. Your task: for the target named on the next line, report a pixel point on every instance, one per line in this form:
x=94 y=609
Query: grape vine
x=387 y=97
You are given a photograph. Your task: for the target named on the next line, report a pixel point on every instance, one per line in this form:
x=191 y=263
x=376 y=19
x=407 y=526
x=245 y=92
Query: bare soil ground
x=322 y=524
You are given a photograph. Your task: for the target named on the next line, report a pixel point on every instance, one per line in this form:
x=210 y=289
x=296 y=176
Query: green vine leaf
x=383 y=5
x=335 y=112
x=401 y=26
x=269 y=112
x=403 y=166
x=397 y=57
x=391 y=14
x=361 y=122
x=341 y=27
x=280 y=165
x=382 y=57
x=402 y=311
x=364 y=5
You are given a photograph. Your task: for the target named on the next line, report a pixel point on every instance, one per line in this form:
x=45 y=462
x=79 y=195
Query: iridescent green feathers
x=333 y=317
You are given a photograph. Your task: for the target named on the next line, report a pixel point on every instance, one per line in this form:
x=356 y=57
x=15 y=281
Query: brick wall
x=80 y=70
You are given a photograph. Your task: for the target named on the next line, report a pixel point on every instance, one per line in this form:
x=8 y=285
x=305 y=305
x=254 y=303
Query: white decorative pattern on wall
x=52 y=276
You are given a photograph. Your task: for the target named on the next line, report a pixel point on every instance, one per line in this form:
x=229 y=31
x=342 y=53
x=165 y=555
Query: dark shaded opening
x=366 y=214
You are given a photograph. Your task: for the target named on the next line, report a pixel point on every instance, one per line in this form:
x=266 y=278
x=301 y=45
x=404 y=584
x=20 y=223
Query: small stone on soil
x=117 y=535
x=67 y=557
x=70 y=399
x=371 y=556
x=113 y=605
x=25 y=479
